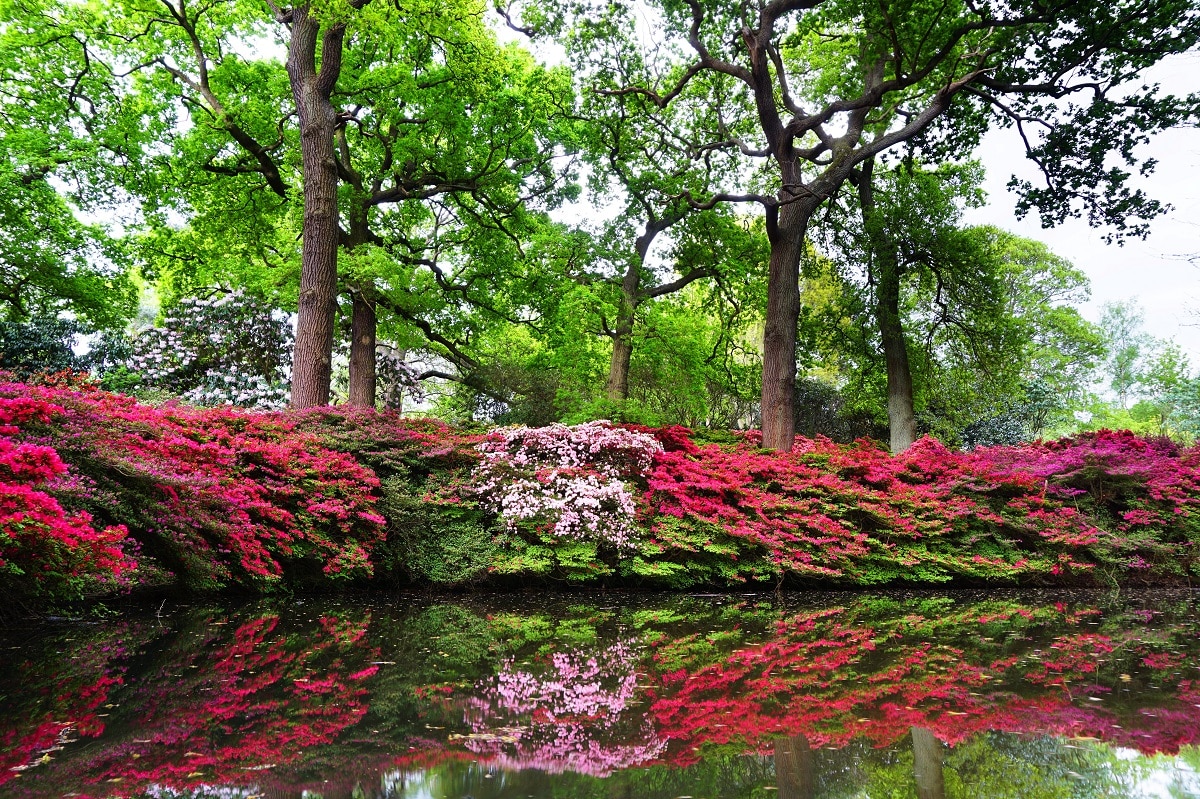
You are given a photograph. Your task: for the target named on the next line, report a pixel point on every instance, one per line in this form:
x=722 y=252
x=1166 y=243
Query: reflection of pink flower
x=569 y=715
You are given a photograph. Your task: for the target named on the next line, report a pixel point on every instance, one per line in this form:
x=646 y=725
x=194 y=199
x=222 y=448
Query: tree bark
x=312 y=361
x=779 y=331
x=617 y=387
x=362 y=392
x=927 y=764
x=363 y=388
x=902 y=420
x=795 y=768
x=886 y=272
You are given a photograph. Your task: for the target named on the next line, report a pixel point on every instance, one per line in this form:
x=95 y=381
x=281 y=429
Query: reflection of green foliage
x=1002 y=766
x=720 y=776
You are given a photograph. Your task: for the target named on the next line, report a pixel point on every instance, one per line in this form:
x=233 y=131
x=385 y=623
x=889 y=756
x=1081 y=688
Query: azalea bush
x=46 y=550
x=559 y=484
x=216 y=497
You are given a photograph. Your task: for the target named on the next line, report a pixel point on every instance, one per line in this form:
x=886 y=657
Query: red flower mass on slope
x=91 y=481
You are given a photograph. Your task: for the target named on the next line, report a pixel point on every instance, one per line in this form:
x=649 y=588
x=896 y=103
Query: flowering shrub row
x=92 y=482
x=1103 y=507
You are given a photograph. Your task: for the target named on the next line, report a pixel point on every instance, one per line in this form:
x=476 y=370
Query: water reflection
x=920 y=695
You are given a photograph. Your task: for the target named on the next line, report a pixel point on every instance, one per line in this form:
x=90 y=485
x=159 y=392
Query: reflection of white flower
x=568 y=713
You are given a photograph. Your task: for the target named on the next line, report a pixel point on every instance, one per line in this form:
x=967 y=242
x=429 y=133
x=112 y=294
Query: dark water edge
x=587 y=694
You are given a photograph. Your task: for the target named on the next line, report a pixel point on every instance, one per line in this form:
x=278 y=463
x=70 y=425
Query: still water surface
x=614 y=697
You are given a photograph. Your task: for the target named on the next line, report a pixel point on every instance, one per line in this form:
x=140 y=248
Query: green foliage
x=41 y=346
x=55 y=168
x=430 y=542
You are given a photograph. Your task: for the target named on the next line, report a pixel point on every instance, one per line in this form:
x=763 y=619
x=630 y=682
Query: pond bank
x=101 y=495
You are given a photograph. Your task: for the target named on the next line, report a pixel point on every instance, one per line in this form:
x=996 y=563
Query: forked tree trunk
x=927 y=764
x=795 y=768
x=313 y=357
x=617 y=386
x=363 y=325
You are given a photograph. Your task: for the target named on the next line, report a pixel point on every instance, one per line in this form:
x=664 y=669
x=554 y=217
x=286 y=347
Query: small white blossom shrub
x=566 y=478
x=223 y=350
x=397 y=378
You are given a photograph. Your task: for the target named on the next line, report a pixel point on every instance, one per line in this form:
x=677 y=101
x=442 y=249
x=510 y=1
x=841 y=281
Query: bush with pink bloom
x=569 y=482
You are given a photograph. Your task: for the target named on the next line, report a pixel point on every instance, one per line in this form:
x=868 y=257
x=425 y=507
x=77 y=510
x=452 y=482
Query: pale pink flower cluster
x=566 y=477
x=565 y=714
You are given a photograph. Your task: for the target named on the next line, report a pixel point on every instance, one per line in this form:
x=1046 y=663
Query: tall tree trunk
x=362 y=352
x=362 y=391
x=617 y=387
x=927 y=764
x=902 y=419
x=779 y=331
x=312 y=88
x=795 y=768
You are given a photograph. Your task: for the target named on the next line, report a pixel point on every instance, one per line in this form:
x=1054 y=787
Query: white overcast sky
x=1155 y=271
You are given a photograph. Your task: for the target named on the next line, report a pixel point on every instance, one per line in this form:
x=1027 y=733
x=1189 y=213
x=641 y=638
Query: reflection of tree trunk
x=927 y=764
x=795 y=768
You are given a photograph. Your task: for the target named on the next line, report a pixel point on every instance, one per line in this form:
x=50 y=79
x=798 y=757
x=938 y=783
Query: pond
x=613 y=695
